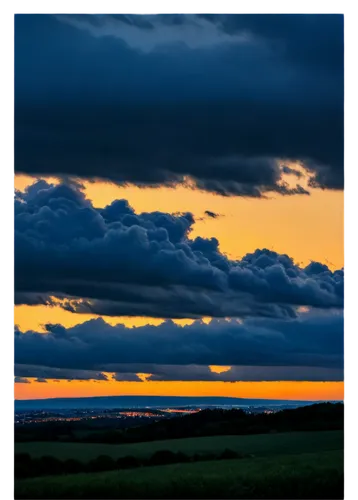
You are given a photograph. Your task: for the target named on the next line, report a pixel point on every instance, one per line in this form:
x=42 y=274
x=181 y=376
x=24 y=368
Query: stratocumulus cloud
x=245 y=374
x=115 y=262
x=184 y=373
x=153 y=112
x=24 y=371
x=289 y=349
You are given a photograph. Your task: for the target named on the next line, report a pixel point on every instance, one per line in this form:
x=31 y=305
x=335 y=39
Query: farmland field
x=306 y=475
x=258 y=445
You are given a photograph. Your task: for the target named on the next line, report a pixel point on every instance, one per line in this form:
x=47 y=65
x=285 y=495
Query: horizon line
x=174 y=397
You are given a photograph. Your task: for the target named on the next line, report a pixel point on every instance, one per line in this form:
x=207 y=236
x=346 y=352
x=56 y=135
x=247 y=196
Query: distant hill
x=107 y=402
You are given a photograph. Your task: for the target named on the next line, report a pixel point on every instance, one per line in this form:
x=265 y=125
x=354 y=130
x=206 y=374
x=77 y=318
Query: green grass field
x=307 y=475
x=258 y=445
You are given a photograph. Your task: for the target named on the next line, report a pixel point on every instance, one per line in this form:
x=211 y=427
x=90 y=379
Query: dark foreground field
x=308 y=475
x=259 y=445
x=287 y=465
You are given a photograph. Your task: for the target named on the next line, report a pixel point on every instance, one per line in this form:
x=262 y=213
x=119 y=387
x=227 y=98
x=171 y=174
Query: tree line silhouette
x=25 y=466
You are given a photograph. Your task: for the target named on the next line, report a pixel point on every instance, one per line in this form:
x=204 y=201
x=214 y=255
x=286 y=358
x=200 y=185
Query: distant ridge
x=105 y=402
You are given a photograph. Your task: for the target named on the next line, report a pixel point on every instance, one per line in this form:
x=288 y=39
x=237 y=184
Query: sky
x=179 y=205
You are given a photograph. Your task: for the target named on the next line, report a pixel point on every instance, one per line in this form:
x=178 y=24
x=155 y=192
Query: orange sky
x=304 y=227
x=266 y=390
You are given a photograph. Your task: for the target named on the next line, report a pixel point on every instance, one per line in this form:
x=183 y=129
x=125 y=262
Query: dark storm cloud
x=153 y=100
x=246 y=374
x=183 y=373
x=314 y=341
x=113 y=261
x=42 y=373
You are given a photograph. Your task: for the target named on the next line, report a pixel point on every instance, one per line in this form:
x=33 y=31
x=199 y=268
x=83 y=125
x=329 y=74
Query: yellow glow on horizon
x=266 y=390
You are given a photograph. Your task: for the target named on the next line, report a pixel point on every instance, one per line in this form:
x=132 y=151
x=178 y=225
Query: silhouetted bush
x=182 y=457
x=21 y=471
x=48 y=465
x=22 y=457
x=128 y=462
x=163 y=457
x=23 y=465
x=101 y=463
x=228 y=454
x=72 y=466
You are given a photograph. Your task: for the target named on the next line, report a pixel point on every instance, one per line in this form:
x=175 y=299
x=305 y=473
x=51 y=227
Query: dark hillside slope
x=322 y=416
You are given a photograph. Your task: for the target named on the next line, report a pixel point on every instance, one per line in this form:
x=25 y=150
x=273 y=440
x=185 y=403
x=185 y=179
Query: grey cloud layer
x=310 y=347
x=23 y=371
x=152 y=100
x=246 y=373
x=115 y=262
x=182 y=373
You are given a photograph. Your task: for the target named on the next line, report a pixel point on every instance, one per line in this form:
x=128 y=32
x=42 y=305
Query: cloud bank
x=221 y=101
x=115 y=262
x=307 y=348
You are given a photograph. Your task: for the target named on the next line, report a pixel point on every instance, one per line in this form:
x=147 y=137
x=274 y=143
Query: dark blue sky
x=152 y=99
